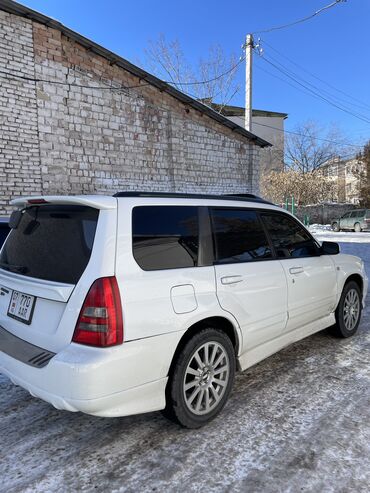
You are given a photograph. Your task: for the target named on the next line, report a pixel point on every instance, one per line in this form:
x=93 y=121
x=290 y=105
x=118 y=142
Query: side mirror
x=329 y=248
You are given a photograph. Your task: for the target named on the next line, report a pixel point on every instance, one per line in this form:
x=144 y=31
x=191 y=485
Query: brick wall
x=19 y=149
x=88 y=139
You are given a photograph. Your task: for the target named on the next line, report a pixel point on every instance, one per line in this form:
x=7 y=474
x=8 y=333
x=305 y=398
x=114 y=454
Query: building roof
x=16 y=8
x=229 y=110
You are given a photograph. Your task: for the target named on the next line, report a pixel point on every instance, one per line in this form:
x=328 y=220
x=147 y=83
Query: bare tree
x=211 y=79
x=310 y=147
x=306 y=188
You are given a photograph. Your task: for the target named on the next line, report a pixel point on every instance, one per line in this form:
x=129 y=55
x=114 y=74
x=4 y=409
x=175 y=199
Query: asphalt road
x=298 y=421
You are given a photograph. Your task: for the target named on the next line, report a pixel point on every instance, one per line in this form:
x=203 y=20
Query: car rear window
x=165 y=237
x=51 y=242
x=4 y=231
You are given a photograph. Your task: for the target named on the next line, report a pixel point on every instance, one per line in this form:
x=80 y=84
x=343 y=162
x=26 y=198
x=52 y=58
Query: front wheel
x=202 y=379
x=348 y=312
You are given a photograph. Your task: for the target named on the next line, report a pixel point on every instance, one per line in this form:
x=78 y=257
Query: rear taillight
x=100 y=321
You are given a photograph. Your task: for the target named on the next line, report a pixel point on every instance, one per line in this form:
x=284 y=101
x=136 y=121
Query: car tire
x=335 y=227
x=357 y=227
x=348 y=312
x=201 y=380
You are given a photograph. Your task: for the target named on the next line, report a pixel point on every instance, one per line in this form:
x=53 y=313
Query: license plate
x=21 y=307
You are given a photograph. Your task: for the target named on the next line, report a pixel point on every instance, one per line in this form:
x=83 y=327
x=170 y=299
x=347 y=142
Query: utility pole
x=249 y=45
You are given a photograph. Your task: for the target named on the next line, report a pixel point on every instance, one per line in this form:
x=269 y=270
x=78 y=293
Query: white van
x=148 y=301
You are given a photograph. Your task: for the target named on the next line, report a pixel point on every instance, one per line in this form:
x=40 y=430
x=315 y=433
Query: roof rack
x=246 y=197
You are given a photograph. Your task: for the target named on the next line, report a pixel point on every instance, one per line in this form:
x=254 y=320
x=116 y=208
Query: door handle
x=296 y=270
x=231 y=279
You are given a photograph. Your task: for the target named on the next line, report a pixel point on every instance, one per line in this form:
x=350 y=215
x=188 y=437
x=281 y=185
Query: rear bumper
x=120 y=381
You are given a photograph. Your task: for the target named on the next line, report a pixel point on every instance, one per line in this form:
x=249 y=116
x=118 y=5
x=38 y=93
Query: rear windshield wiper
x=14 y=268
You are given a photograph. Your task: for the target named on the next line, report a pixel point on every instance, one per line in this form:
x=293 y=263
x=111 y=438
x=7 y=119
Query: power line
x=304 y=19
x=120 y=88
x=291 y=85
x=283 y=80
x=316 y=94
x=303 y=135
x=334 y=99
x=362 y=104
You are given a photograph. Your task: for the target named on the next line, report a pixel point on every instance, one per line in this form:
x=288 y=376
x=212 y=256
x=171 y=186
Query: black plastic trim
x=169 y=195
x=24 y=351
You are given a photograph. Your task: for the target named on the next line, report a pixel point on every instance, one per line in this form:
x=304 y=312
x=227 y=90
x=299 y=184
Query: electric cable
x=315 y=94
x=362 y=103
x=299 y=21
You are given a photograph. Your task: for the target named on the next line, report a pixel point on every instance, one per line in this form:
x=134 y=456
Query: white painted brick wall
x=59 y=139
x=19 y=149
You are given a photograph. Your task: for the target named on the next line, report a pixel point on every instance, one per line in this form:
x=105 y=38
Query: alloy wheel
x=351 y=309
x=206 y=378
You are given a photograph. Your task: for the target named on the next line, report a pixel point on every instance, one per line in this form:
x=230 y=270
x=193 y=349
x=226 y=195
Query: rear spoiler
x=95 y=201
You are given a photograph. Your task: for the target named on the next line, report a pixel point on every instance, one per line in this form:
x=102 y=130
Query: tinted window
x=51 y=242
x=289 y=238
x=165 y=237
x=238 y=236
x=4 y=231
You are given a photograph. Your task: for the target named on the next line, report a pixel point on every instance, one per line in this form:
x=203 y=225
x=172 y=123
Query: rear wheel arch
x=336 y=226
x=220 y=323
x=181 y=391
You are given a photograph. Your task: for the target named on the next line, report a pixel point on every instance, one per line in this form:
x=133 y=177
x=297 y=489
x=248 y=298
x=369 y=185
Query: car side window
x=238 y=236
x=289 y=238
x=346 y=215
x=165 y=237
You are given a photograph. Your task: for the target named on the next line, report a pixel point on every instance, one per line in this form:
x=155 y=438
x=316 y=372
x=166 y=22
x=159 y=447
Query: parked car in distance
x=357 y=220
x=141 y=302
x=4 y=229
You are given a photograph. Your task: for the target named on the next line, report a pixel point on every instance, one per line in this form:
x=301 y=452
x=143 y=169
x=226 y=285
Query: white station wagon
x=146 y=301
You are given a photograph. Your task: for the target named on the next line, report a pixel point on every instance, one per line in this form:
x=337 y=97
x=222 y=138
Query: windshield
x=51 y=242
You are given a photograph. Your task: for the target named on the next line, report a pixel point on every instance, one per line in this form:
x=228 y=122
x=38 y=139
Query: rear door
x=166 y=281
x=311 y=277
x=41 y=263
x=251 y=284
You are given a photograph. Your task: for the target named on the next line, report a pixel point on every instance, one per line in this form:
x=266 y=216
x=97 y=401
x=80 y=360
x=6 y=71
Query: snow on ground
x=323 y=232
x=298 y=421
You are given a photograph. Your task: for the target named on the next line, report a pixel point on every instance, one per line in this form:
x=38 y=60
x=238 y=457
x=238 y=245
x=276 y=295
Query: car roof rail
x=246 y=197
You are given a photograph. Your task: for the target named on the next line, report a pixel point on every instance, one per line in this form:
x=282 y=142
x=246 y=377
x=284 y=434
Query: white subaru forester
x=147 y=301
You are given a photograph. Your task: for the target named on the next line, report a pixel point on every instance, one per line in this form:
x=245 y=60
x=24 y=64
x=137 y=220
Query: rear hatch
x=48 y=263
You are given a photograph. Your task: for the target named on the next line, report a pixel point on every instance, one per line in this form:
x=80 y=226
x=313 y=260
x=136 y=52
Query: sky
x=333 y=46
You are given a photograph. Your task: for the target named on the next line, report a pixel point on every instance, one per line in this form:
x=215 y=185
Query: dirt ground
x=298 y=421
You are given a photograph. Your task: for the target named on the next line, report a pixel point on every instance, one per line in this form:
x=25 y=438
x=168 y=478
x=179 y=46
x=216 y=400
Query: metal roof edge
x=18 y=9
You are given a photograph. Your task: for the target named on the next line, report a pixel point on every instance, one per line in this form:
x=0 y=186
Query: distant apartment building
x=348 y=174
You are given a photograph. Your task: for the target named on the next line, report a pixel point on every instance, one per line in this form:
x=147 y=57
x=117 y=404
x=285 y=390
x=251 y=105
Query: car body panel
x=267 y=311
